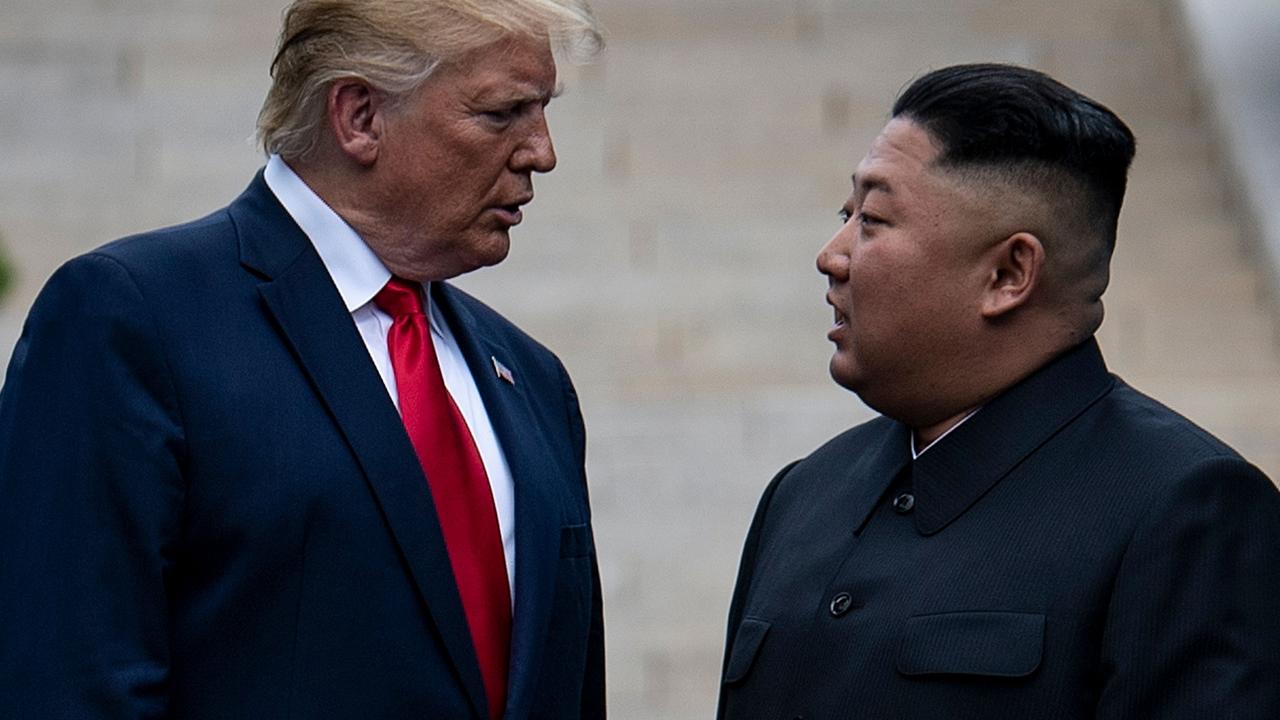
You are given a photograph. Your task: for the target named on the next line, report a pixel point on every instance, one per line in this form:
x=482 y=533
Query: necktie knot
x=400 y=297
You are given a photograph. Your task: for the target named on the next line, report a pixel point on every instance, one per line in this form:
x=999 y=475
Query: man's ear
x=1013 y=273
x=356 y=113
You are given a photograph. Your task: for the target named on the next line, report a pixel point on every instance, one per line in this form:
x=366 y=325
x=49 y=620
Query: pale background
x=669 y=260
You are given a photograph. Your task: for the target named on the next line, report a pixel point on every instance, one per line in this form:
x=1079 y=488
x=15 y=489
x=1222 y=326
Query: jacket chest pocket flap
x=993 y=644
x=746 y=643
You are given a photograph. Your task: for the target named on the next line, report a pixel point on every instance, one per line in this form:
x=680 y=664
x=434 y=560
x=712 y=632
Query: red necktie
x=459 y=485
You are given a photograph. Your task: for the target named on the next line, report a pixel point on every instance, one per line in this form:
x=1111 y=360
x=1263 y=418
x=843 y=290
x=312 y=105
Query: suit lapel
x=533 y=473
x=300 y=296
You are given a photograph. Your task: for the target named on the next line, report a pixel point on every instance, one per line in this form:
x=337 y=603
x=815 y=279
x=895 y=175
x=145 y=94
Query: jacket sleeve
x=91 y=494
x=1193 y=627
x=746 y=570
x=593 y=705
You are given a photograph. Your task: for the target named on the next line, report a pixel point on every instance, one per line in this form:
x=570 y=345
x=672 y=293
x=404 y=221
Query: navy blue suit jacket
x=1074 y=550
x=209 y=507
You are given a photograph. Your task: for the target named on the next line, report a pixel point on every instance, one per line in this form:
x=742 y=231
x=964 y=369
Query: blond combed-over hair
x=394 y=45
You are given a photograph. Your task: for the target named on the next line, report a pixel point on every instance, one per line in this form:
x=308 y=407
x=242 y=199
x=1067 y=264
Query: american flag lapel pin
x=503 y=372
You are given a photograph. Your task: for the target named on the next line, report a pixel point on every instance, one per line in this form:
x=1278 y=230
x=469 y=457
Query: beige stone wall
x=670 y=257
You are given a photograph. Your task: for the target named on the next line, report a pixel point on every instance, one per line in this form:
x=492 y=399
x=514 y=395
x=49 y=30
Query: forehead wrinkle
x=514 y=79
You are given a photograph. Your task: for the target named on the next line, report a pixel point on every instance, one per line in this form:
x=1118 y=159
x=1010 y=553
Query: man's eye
x=844 y=216
x=499 y=117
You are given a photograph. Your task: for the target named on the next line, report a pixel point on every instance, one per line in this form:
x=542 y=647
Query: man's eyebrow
x=866 y=184
x=522 y=94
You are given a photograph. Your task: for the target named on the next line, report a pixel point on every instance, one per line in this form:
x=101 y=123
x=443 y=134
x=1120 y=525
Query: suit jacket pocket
x=993 y=644
x=575 y=541
x=746 y=643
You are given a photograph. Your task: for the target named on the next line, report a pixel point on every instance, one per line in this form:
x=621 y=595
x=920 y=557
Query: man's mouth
x=839 y=318
x=509 y=214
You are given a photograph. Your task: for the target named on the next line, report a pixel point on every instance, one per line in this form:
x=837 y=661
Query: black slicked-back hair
x=1004 y=117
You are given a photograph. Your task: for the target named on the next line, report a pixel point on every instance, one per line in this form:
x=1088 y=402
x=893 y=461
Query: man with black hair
x=1021 y=535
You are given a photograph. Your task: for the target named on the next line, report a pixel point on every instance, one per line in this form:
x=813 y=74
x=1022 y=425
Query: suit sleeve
x=593 y=681
x=90 y=501
x=746 y=570
x=1193 y=628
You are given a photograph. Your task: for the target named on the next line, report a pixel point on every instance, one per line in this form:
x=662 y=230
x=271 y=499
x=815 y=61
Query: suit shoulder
x=1146 y=426
x=155 y=254
x=850 y=444
x=167 y=249
x=836 y=455
x=1132 y=446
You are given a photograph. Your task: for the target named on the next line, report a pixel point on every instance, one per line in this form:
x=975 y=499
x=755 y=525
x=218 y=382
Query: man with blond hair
x=270 y=463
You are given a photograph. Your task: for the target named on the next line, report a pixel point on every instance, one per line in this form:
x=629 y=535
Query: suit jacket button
x=904 y=503
x=841 y=603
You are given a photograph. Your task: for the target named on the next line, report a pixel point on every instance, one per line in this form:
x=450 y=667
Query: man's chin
x=492 y=258
x=487 y=253
x=843 y=372
x=495 y=248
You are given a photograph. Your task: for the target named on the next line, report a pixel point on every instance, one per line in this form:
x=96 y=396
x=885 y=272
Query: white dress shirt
x=359 y=275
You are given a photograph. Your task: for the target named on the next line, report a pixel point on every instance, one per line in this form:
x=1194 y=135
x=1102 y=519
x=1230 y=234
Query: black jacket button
x=841 y=603
x=904 y=503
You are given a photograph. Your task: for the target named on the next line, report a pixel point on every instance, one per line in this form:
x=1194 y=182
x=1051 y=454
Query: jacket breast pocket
x=990 y=644
x=746 y=644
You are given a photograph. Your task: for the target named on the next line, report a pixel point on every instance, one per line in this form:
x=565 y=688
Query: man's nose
x=833 y=259
x=536 y=153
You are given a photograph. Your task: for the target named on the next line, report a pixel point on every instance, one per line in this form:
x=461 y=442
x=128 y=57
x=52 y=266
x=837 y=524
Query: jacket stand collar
x=954 y=474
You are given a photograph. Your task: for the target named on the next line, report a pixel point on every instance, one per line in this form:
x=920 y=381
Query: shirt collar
x=356 y=270
x=915 y=454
